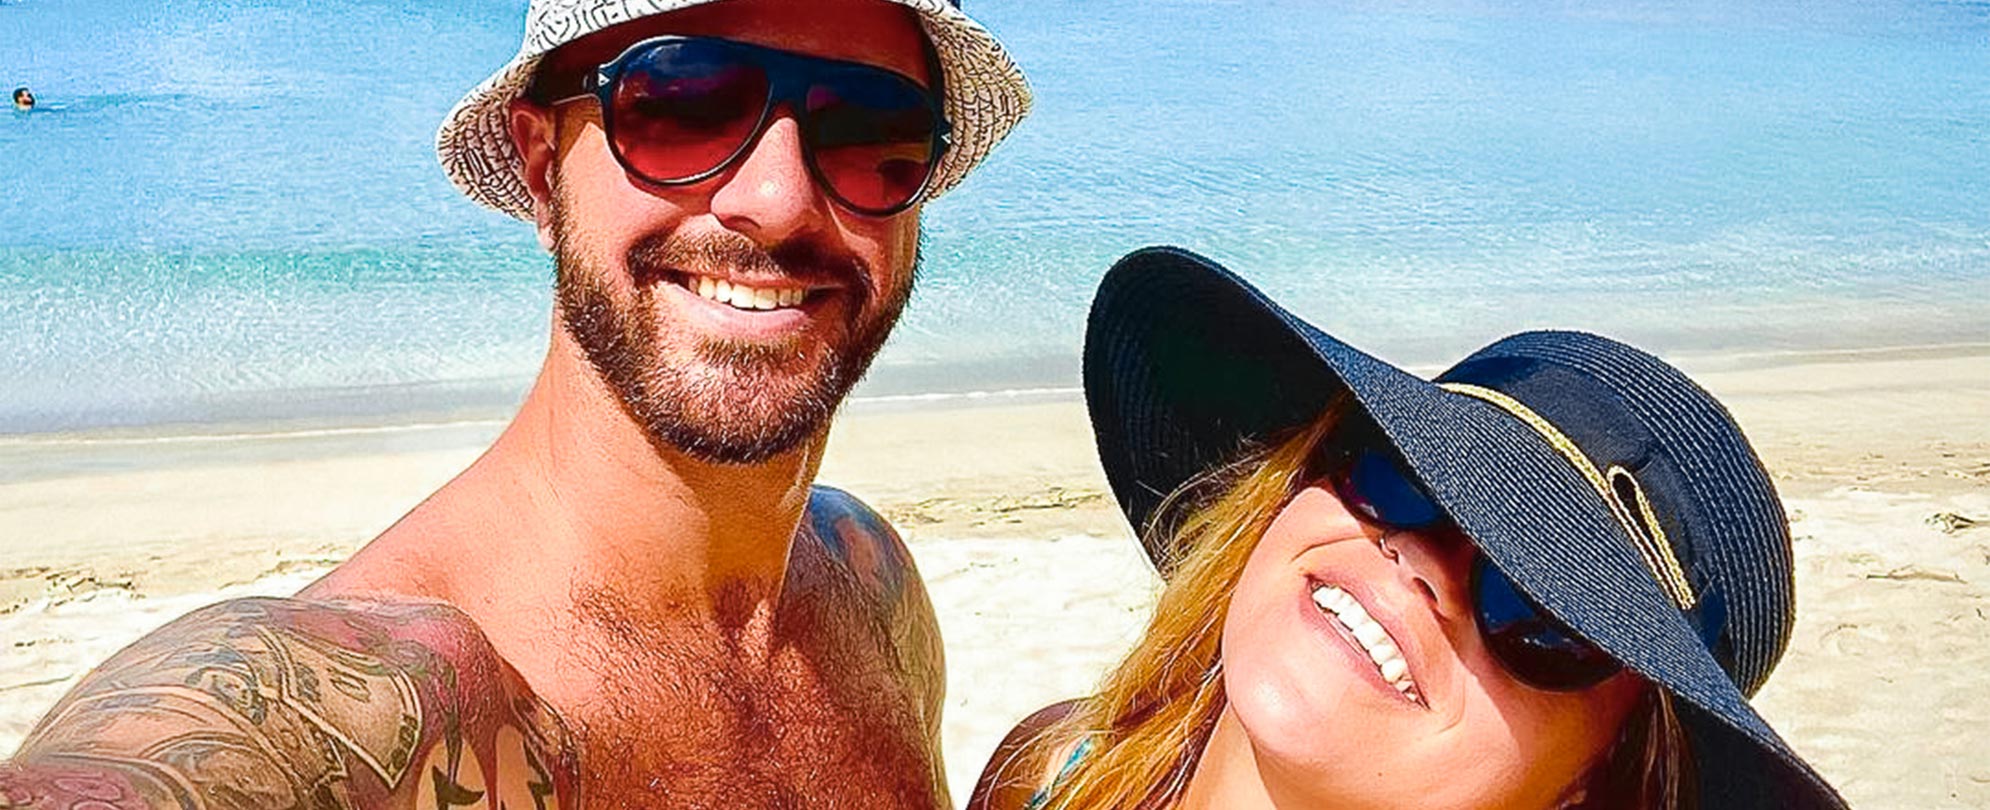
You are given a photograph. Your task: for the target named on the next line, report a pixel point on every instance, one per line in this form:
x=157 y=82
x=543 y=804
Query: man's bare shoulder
x=859 y=538
x=853 y=534
x=279 y=703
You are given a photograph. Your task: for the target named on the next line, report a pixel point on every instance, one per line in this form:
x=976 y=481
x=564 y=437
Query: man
x=634 y=598
x=23 y=100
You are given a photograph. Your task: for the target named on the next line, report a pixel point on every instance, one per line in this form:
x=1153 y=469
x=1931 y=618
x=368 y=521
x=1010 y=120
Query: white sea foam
x=969 y=396
x=53 y=440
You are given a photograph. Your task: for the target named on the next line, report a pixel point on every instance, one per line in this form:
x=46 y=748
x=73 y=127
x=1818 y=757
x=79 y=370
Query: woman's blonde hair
x=1153 y=714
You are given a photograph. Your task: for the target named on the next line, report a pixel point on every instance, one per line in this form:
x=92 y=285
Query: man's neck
x=574 y=501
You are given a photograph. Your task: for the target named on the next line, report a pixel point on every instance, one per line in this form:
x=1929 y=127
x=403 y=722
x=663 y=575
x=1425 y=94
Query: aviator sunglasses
x=679 y=110
x=1529 y=643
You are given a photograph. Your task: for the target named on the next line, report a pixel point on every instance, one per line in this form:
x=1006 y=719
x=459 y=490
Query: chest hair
x=806 y=707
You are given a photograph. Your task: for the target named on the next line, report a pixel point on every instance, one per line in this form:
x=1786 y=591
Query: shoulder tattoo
x=280 y=703
x=860 y=539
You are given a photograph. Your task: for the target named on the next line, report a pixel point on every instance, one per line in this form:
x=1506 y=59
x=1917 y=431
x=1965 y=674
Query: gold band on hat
x=1638 y=518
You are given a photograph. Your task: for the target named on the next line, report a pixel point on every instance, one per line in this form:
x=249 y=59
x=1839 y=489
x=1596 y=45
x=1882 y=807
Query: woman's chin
x=1333 y=733
x=1338 y=744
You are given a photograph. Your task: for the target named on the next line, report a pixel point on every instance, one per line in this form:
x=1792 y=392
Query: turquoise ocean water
x=229 y=209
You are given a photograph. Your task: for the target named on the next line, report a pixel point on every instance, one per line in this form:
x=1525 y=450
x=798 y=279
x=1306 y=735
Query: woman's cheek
x=1278 y=720
x=1292 y=712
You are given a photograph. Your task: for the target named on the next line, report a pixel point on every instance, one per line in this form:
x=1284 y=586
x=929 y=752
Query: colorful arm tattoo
x=281 y=703
x=861 y=539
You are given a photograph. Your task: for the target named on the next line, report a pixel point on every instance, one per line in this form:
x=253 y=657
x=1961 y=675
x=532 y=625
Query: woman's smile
x=1353 y=624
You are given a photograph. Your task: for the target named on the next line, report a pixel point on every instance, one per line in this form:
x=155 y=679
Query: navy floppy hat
x=1613 y=490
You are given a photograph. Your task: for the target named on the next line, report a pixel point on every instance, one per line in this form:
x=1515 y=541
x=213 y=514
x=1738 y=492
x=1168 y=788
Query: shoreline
x=1882 y=457
x=417 y=406
x=1741 y=377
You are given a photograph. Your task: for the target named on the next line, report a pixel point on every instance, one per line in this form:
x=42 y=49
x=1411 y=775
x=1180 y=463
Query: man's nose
x=770 y=196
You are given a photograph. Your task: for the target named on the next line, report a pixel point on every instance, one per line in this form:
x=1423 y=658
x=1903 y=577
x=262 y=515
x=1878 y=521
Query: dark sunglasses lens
x=1532 y=645
x=873 y=138
x=1376 y=488
x=681 y=109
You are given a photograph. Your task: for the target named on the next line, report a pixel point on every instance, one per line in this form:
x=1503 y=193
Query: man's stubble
x=735 y=402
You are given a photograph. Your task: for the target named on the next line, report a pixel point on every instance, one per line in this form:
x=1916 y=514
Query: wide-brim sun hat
x=986 y=94
x=1609 y=487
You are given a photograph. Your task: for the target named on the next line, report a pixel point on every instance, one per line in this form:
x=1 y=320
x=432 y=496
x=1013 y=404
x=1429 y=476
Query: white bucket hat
x=986 y=94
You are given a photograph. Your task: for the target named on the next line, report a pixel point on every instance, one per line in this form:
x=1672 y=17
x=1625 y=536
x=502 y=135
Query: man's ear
x=535 y=133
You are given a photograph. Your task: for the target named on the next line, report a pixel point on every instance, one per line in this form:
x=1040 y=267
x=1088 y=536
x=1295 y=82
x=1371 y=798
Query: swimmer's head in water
x=23 y=99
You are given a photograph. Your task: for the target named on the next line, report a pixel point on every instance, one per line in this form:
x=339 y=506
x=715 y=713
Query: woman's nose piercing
x=1383 y=541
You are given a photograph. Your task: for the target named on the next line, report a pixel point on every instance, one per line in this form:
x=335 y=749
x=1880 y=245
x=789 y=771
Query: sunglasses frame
x=789 y=77
x=1342 y=458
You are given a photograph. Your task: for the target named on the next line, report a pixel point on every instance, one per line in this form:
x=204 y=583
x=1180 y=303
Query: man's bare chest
x=816 y=712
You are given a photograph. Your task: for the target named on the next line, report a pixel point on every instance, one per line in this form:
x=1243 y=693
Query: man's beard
x=735 y=402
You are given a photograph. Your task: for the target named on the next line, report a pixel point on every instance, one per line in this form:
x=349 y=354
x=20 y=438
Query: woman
x=1548 y=579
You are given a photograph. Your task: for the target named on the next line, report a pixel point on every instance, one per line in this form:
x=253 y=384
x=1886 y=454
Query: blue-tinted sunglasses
x=1532 y=645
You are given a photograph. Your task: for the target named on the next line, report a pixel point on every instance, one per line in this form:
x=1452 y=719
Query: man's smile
x=741 y=295
x=774 y=309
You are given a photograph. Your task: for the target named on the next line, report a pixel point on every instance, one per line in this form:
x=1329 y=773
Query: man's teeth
x=743 y=297
x=1381 y=648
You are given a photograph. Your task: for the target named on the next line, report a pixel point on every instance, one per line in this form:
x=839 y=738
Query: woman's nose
x=1436 y=563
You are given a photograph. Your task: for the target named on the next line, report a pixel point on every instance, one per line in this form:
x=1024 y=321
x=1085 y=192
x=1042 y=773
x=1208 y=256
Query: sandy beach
x=1883 y=458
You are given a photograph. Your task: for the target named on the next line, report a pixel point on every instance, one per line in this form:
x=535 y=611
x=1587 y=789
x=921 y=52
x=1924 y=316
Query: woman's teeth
x=741 y=296
x=1380 y=647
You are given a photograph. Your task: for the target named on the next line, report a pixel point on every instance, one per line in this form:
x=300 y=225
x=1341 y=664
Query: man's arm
x=280 y=703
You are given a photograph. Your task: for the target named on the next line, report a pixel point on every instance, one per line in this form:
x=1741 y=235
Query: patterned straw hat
x=986 y=93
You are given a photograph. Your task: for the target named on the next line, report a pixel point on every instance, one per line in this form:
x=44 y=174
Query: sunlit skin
x=574 y=480
x=1310 y=723
x=671 y=627
x=609 y=492
x=768 y=196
